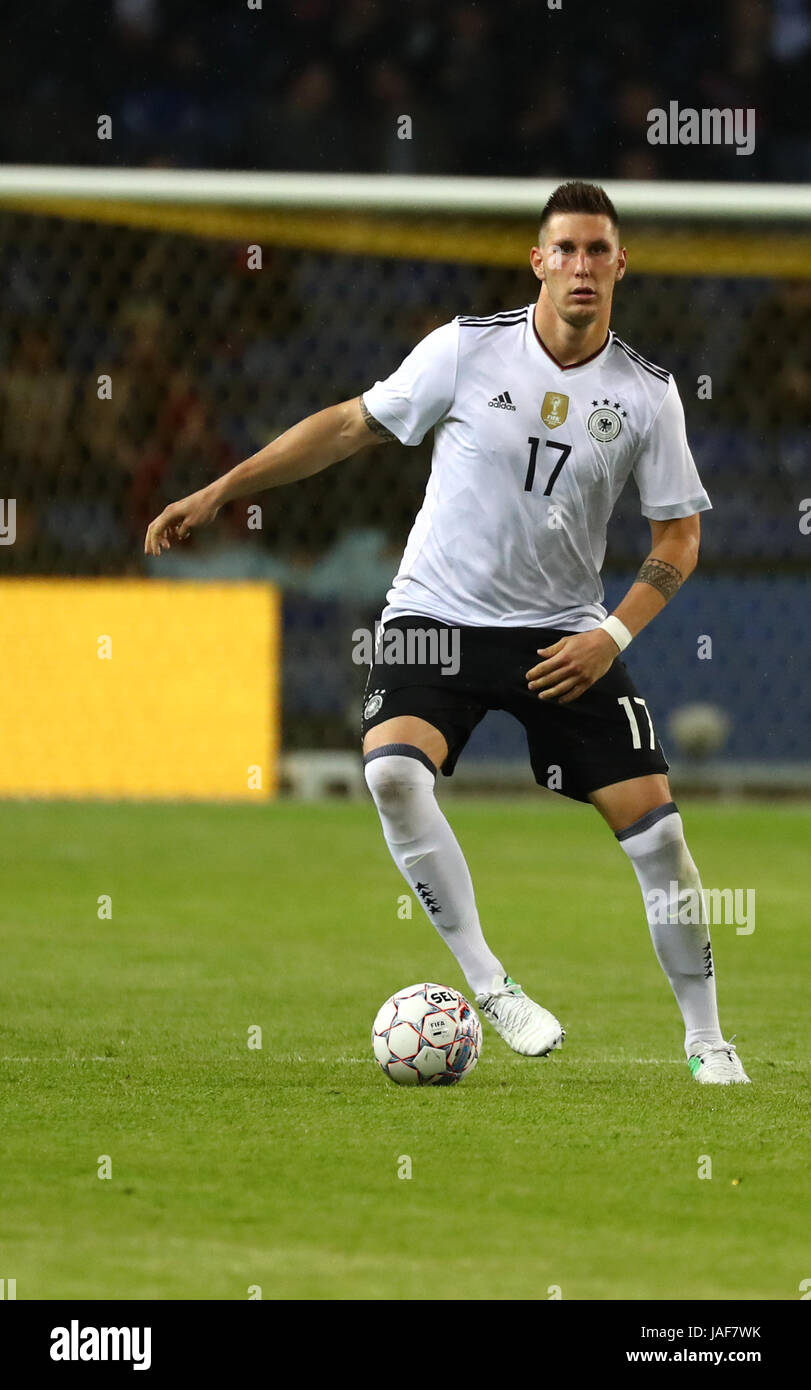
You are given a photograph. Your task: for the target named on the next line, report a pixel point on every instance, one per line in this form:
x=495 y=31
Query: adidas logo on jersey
x=502 y=402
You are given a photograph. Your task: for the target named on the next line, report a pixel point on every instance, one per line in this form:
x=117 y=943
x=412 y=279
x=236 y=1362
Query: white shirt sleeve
x=665 y=473
x=421 y=390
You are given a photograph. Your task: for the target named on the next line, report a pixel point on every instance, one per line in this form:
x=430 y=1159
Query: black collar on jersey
x=571 y=365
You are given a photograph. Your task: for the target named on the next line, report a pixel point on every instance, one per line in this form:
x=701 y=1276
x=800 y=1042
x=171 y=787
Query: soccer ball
x=427 y=1035
x=699 y=730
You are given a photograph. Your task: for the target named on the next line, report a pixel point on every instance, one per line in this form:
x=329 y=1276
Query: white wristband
x=618 y=632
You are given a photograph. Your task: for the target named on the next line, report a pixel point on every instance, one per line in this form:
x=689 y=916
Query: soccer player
x=541 y=414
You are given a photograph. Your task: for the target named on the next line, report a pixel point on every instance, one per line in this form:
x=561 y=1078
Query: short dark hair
x=576 y=196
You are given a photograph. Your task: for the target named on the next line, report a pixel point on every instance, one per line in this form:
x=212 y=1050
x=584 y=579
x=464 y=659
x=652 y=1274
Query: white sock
x=401 y=779
x=669 y=879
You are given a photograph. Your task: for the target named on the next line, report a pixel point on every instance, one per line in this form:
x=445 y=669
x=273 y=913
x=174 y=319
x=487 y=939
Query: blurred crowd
x=136 y=366
x=492 y=88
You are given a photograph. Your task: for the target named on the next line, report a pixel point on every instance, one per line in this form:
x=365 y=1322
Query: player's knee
x=396 y=775
x=384 y=782
x=659 y=832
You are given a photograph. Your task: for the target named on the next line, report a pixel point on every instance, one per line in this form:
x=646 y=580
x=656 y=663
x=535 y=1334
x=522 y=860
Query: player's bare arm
x=307 y=448
x=572 y=665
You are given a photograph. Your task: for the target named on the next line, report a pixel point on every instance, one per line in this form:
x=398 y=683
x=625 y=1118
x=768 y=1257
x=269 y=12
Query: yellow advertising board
x=139 y=688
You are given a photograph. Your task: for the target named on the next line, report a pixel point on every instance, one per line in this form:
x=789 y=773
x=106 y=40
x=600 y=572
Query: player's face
x=580 y=261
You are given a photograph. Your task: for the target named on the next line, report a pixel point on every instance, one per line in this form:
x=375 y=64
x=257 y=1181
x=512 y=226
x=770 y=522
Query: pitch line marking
x=293 y=1058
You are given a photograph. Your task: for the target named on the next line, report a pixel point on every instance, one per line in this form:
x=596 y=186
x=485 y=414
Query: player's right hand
x=179 y=519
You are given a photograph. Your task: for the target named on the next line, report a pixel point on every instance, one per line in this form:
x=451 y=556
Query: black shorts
x=604 y=736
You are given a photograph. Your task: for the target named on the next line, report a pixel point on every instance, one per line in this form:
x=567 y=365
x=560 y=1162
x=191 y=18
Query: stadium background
x=208 y=359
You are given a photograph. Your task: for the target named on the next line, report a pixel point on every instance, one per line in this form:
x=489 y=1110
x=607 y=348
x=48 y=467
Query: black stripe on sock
x=645 y=822
x=405 y=750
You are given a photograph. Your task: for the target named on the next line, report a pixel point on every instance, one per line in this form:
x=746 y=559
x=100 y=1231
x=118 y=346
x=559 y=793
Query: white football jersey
x=529 y=459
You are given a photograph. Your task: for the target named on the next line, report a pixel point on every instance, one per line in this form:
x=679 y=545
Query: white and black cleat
x=524 y=1025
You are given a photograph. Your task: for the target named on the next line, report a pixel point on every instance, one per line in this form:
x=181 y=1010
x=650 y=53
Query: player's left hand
x=571 y=665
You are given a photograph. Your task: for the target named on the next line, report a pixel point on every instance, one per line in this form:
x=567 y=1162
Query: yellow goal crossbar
x=669 y=229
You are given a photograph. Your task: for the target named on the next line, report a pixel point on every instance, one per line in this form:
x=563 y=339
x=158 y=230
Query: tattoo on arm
x=373 y=424
x=662 y=576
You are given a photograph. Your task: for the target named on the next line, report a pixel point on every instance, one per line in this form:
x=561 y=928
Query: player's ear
x=622 y=261
x=536 y=261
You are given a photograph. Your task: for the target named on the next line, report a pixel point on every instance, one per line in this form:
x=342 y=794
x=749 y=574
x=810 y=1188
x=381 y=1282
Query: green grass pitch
x=235 y=1167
